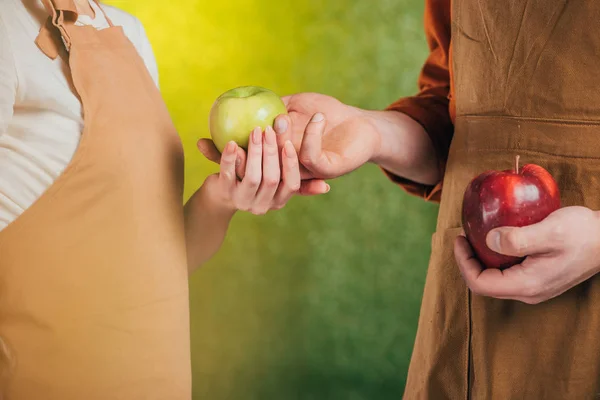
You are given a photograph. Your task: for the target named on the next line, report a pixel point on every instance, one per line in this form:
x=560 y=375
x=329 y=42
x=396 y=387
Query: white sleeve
x=8 y=79
x=147 y=53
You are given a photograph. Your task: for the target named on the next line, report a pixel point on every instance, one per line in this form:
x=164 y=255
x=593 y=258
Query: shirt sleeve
x=8 y=79
x=430 y=107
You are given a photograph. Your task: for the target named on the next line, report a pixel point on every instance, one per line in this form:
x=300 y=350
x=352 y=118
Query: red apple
x=506 y=198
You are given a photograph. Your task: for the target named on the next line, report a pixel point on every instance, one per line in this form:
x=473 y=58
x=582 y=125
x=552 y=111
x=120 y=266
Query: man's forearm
x=206 y=224
x=405 y=148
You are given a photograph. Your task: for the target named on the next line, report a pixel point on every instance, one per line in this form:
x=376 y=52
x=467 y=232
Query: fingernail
x=238 y=161
x=328 y=188
x=318 y=117
x=495 y=241
x=230 y=148
x=256 y=135
x=270 y=136
x=289 y=149
x=281 y=125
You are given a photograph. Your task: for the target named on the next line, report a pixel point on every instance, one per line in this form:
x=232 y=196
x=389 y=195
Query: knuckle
x=228 y=159
x=240 y=203
x=306 y=160
x=212 y=178
x=532 y=288
x=516 y=241
x=271 y=181
x=241 y=206
x=253 y=180
x=532 y=300
x=293 y=186
x=228 y=175
x=291 y=162
x=271 y=150
x=256 y=150
x=475 y=289
x=557 y=233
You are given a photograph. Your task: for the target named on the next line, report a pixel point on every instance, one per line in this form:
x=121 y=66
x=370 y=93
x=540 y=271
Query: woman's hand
x=308 y=186
x=561 y=251
x=265 y=184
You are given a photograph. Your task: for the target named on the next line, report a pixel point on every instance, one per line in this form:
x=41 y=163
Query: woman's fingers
x=290 y=183
x=271 y=174
x=248 y=188
x=209 y=150
x=240 y=163
x=227 y=169
x=227 y=178
x=267 y=181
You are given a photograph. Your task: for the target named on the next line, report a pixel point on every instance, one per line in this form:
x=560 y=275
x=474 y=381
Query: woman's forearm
x=206 y=222
x=405 y=148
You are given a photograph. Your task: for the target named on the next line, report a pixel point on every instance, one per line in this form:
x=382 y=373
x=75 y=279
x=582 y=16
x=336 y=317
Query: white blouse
x=41 y=117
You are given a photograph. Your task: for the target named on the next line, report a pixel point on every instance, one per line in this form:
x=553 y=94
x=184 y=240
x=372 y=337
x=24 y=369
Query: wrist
x=388 y=128
x=376 y=135
x=208 y=198
x=403 y=147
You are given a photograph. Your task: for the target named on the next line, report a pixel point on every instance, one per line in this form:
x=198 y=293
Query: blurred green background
x=319 y=300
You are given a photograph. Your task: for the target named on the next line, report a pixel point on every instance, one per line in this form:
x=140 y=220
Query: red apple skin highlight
x=506 y=198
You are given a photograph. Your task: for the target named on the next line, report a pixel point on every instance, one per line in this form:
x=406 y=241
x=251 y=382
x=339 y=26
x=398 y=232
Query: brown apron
x=93 y=276
x=526 y=81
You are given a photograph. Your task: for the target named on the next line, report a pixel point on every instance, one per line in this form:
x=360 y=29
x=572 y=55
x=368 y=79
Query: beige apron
x=527 y=82
x=93 y=276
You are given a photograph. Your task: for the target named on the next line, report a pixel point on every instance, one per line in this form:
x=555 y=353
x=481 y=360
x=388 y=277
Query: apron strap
x=110 y=23
x=63 y=14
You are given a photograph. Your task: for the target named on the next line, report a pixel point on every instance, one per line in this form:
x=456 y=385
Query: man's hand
x=332 y=138
x=561 y=251
x=341 y=138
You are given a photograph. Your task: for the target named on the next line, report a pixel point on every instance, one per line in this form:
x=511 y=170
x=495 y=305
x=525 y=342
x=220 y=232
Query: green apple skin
x=236 y=113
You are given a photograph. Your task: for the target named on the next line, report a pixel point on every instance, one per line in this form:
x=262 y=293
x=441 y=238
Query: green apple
x=236 y=113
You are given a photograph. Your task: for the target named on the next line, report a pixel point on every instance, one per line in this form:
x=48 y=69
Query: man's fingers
x=469 y=267
x=283 y=129
x=311 y=155
x=286 y=100
x=539 y=238
x=313 y=187
x=512 y=283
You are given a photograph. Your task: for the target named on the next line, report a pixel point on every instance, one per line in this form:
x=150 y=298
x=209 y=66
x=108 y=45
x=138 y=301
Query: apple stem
x=517 y=165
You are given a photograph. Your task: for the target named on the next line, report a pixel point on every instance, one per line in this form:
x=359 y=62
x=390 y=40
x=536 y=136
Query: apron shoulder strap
x=62 y=17
x=63 y=14
x=104 y=13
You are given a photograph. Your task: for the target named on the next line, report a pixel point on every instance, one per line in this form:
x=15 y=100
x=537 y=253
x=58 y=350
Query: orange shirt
x=433 y=106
